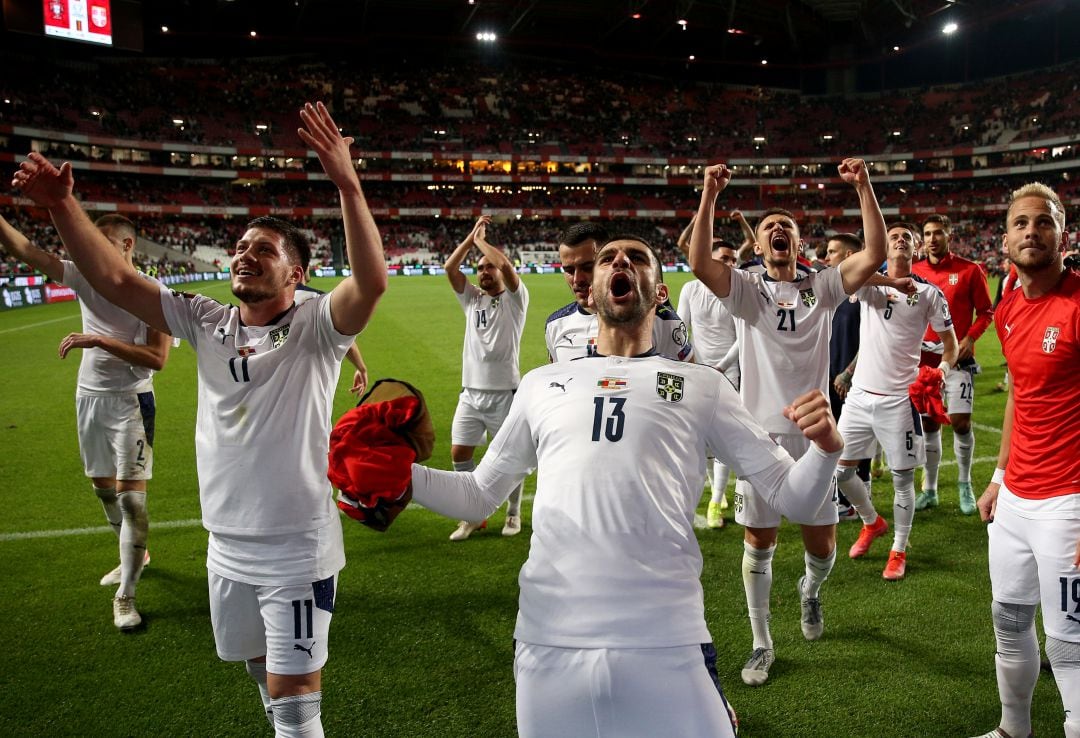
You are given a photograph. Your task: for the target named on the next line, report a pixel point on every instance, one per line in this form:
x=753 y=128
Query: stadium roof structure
x=843 y=45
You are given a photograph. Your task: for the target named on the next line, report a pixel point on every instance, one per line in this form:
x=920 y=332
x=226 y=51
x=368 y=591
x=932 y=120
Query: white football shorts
x=289 y=624
x=619 y=692
x=959 y=394
x=479 y=412
x=754 y=511
x=889 y=420
x=1031 y=559
x=116 y=434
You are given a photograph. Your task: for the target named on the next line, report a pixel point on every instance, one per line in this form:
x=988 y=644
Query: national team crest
x=494 y=303
x=278 y=336
x=1050 y=339
x=954 y=278
x=244 y=351
x=98 y=16
x=669 y=386
x=808 y=297
x=913 y=299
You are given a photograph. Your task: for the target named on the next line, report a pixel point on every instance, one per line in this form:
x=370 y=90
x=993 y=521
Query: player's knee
x=132 y=502
x=298 y=715
x=1010 y=618
x=844 y=474
x=903 y=478
x=960 y=427
x=1063 y=655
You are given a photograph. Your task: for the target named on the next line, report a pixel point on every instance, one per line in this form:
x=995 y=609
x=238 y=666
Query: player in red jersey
x=1034 y=497
x=964 y=285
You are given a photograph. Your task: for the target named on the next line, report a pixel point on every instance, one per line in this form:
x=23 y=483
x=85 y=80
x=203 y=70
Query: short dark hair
x=579 y=233
x=943 y=220
x=853 y=242
x=907 y=226
x=719 y=243
x=115 y=220
x=296 y=243
x=642 y=241
x=775 y=211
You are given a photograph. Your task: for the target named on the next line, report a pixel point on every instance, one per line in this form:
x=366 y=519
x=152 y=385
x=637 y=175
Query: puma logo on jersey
x=1070 y=617
x=560 y=386
x=1008 y=329
x=298 y=647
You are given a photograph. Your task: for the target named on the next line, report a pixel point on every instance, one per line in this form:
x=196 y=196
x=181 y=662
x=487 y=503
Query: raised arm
x=858 y=267
x=19 y=246
x=501 y=261
x=715 y=275
x=153 y=354
x=101 y=264
x=683 y=242
x=453 y=263
x=354 y=298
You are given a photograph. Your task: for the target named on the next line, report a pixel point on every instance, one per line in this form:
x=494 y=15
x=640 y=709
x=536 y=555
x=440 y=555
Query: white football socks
x=963 y=447
x=933 y=459
x=133 y=534
x=903 y=507
x=110 y=506
x=757 y=582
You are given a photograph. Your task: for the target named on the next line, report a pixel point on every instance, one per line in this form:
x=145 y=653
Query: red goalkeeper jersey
x=964 y=284
x=1041 y=342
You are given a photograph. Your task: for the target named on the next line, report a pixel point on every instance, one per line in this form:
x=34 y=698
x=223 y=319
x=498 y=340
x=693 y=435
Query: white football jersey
x=711 y=325
x=493 y=327
x=571 y=333
x=620 y=446
x=784 y=330
x=891 y=329
x=100 y=371
x=263 y=424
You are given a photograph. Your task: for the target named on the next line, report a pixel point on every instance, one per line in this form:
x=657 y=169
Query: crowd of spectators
x=470 y=107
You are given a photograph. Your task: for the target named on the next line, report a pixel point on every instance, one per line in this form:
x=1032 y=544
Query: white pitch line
x=38 y=325
x=30 y=534
x=990 y=428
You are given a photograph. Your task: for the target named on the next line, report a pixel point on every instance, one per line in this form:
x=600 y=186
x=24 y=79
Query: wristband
x=944 y=367
x=999 y=476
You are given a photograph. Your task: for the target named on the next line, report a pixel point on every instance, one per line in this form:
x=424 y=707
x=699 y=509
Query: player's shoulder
x=563 y=312
x=666 y=311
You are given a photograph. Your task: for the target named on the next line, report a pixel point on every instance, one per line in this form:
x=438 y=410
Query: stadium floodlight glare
x=682 y=22
x=692 y=57
x=896 y=48
x=253 y=34
x=261 y=126
x=826 y=137
x=897 y=133
x=164 y=29
x=486 y=36
x=764 y=62
x=759 y=139
x=950 y=28
x=636 y=16
x=178 y=121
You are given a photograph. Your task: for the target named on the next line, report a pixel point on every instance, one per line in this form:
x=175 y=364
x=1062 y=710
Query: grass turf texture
x=422 y=634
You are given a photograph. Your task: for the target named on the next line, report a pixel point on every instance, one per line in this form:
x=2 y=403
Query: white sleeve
x=683 y=307
x=475 y=495
x=462 y=495
x=731 y=358
x=940 y=319
x=797 y=490
x=465 y=297
x=181 y=311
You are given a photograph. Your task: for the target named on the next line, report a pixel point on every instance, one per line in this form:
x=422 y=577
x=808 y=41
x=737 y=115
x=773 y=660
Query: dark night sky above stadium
x=815 y=45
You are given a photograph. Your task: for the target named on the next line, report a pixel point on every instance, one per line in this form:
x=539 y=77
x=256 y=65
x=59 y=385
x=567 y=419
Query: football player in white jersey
x=572 y=329
x=494 y=321
x=611 y=637
x=114 y=402
x=267 y=373
x=712 y=329
x=783 y=319
x=877 y=409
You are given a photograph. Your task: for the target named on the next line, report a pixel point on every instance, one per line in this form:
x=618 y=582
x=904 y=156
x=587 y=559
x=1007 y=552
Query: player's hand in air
x=717 y=177
x=43 y=183
x=854 y=172
x=812 y=413
x=322 y=135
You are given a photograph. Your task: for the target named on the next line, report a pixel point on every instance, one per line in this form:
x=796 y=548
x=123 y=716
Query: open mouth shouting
x=620 y=286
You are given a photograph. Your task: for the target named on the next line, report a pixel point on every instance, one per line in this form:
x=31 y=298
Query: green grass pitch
x=423 y=627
